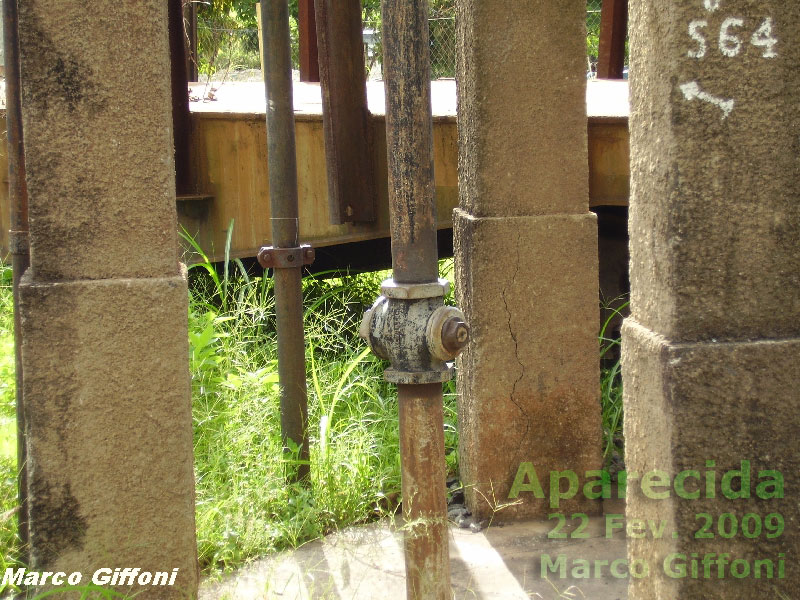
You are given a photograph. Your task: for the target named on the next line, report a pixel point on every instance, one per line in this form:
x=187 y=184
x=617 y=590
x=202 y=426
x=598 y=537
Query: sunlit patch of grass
x=245 y=508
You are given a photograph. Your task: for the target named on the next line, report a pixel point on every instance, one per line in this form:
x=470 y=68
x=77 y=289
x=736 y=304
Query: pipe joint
x=410 y=326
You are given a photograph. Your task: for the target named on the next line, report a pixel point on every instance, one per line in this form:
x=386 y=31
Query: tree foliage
x=244 y=11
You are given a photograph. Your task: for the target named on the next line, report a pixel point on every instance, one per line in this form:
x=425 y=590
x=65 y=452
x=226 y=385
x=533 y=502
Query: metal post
x=423 y=487
x=18 y=235
x=409 y=139
x=345 y=112
x=309 y=53
x=613 y=30
x=409 y=323
x=181 y=119
x=285 y=256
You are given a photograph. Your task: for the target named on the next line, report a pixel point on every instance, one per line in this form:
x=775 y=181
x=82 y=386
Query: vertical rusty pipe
x=423 y=487
x=18 y=235
x=282 y=163
x=409 y=139
x=309 y=52
x=181 y=119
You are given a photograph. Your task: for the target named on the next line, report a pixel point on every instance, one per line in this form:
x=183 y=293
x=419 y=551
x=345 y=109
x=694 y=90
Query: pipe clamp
x=270 y=257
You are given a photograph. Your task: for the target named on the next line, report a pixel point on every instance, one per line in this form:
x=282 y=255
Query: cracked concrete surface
x=512 y=396
x=529 y=379
x=526 y=252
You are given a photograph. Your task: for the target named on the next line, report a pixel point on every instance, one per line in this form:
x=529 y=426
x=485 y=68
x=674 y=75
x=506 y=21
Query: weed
x=611 y=382
x=245 y=508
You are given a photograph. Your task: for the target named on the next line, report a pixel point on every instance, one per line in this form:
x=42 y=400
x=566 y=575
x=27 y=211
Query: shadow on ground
x=500 y=562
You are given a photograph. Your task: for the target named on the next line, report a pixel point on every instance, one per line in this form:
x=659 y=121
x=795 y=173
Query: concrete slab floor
x=500 y=562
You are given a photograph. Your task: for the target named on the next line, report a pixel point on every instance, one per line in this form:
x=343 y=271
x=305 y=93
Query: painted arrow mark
x=692 y=90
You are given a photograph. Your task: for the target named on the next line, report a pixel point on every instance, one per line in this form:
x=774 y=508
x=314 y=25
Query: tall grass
x=611 y=382
x=9 y=541
x=245 y=508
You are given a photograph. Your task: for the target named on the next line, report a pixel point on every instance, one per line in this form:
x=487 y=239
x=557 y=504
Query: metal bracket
x=270 y=257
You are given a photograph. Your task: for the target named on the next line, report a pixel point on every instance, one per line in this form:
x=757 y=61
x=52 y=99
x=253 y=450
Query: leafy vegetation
x=611 y=383
x=228 y=38
x=593 y=31
x=244 y=507
x=228 y=35
x=9 y=542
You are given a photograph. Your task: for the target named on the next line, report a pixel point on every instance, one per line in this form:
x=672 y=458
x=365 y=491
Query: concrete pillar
x=104 y=303
x=526 y=253
x=711 y=352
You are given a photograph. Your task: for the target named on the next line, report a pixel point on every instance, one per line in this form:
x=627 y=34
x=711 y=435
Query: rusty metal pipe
x=18 y=235
x=423 y=486
x=409 y=139
x=282 y=162
x=181 y=117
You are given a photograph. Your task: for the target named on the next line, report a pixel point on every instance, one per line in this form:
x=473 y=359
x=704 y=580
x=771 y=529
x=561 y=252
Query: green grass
x=9 y=542
x=611 y=381
x=245 y=509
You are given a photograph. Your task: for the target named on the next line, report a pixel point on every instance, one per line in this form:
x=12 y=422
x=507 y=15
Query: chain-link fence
x=593 y=8
x=227 y=53
x=230 y=52
x=442 y=48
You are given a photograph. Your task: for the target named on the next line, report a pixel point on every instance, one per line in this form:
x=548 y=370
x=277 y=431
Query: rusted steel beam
x=613 y=32
x=409 y=139
x=309 y=53
x=348 y=143
x=18 y=237
x=181 y=121
x=282 y=163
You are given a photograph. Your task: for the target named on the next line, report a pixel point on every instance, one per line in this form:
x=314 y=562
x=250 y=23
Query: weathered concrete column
x=104 y=303
x=711 y=352
x=526 y=252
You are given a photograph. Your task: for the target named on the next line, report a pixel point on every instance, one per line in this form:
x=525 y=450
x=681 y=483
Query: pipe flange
x=415 y=291
x=411 y=328
x=443 y=373
x=381 y=305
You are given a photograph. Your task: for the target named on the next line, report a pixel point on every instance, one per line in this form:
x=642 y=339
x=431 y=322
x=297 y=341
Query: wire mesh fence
x=593 y=8
x=230 y=52
x=442 y=48
x=227 y=52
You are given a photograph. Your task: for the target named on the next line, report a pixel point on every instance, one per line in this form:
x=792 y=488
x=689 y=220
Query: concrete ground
x=500 y=562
